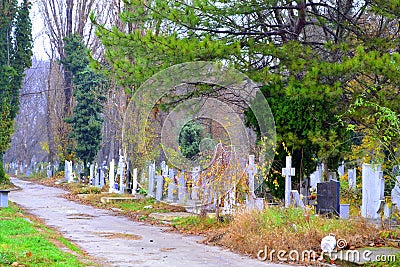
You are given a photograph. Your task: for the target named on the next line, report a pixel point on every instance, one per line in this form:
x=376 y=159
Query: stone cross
x=288 y=172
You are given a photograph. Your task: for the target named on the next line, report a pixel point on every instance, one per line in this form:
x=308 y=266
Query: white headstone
x=112 y=177
x=182 y=189
x=195 y=185
x=91 y=174
x=372 y=191
x=160 y=187
x=352 y=178
x=134 y=181
x=341 y=169
x=121 y=172
x=49 y=172
x=396 y=193
x=288 y=172
x=296 y=200
x=152 y=170
x=102 y=175
x=68 y=171
x=316 y=177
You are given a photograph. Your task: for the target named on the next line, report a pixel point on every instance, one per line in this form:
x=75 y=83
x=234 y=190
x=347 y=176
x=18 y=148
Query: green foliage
x=190 y=138
x=15 y=57
x=86 y=121
x=314 y=62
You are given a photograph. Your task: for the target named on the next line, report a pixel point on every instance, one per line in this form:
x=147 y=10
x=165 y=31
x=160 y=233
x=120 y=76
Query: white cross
x=288 y=172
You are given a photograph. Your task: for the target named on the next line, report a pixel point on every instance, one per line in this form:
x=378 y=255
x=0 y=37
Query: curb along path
x=117 y=241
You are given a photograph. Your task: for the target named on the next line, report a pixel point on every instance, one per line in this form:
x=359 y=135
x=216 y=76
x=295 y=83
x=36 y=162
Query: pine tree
x=86 y=120
x=15 y=57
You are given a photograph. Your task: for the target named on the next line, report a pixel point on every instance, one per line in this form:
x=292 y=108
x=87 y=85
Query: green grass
x=197 y=223
x=29 y=243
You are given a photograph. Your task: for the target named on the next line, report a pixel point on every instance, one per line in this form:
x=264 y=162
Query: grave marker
x=121 y=172
x=182 y=189
x=134 y=181
x=352 y=178
x=288 y=172
x=152 y=170
x=373 y=186
x=328 y=197
x=112 y=177
x=160 y=187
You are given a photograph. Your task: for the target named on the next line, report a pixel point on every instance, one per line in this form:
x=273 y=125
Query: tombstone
x=48 y=171
x=97 y=175
x=352 y=178
x=134 y=181
x=182 y=189
x=373 y=186
x=396 y=192
x=91 y=174
x=328 y=197
x=251 y=172
x=112 y=177
x=295 y=199
x=341 y=169
x=103 y=170
x=195 y=183
x=121 y=172
x=68 y=171
x=288 y=172
x=164 y=168
x=172 y=188
x=152 y=170
x=159 y=187
x=332 y=176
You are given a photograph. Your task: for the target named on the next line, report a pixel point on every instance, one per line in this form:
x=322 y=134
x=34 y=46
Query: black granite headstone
x=328 y=197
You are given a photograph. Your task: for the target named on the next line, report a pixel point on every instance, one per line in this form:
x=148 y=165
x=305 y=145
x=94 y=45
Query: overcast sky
x=39 y=37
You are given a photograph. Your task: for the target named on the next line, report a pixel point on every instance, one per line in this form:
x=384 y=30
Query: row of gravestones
x=373 y=199
x=186 y=190
x=328 y=193
x=177 y=190
x=42 y=168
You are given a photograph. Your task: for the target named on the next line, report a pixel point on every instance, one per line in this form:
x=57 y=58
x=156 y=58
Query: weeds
x=290 y=229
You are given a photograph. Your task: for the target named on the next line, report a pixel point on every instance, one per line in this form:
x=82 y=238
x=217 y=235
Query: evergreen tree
x=15 y=57
x=315 y=59
x=86 y=120
x=190 y=138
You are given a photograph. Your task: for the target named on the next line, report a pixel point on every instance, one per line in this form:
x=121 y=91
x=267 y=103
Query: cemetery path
x=117 y=241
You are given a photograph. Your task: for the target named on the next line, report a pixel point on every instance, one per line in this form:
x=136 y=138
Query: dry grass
x=290 y=229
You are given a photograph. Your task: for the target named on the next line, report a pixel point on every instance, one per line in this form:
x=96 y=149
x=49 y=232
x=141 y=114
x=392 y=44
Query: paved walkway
x=117 y=241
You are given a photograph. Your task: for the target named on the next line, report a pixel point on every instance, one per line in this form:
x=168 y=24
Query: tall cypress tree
x=86 y=121
x=15 y=57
